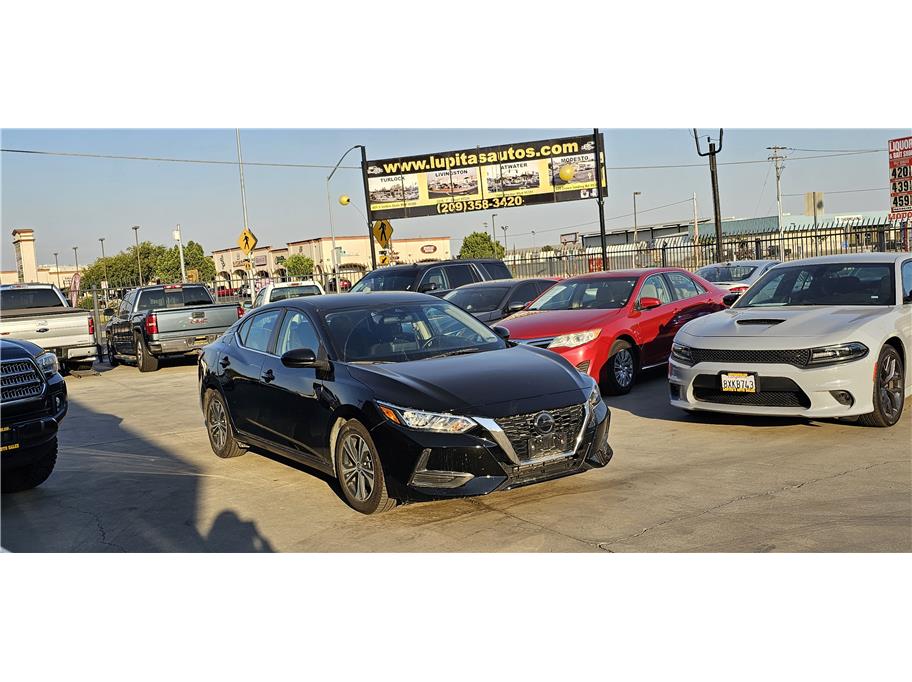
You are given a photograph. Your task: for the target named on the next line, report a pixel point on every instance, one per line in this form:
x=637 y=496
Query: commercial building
x=27 y=268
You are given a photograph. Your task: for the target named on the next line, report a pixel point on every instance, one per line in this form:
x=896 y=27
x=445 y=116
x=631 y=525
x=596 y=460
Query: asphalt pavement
x=135 y=474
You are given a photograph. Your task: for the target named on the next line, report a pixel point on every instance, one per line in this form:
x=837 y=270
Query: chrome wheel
x=890 y=385
x=218 y=424
x=357 y=467
x=623 y=367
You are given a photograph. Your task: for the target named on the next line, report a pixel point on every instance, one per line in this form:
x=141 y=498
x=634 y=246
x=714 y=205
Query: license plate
x=549 y=444
x=201 y=340
x=739 y=382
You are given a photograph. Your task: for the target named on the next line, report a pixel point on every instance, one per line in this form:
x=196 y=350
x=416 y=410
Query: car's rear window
x=730 y=273
x=281 y=293
x=386 y=280
x=477 y=299
x=150 y=299
x=20 y=299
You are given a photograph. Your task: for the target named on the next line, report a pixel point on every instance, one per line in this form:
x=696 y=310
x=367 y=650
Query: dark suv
x=436 y=278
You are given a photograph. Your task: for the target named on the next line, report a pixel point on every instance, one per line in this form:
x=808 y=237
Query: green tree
x=480 y=245
x=167 y=267
x=299 y=265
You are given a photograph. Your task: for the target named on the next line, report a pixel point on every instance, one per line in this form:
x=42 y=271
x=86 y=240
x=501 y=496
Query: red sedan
x=611 y=325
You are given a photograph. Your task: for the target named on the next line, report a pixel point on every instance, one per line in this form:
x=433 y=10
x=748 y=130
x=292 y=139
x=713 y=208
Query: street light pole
x=493 y=231
x=57 y=265
x=180 y=249
x=104 y=261
x=533 y=241
x=636 y=252
x=504 y=228
x=714 y=176
x=135 y=229
x=76 y=256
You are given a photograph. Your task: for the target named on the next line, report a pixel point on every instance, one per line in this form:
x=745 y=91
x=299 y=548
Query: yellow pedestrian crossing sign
x=383 y=232
x=247 y=241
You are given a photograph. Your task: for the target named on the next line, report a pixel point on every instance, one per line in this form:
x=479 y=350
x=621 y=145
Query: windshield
x=613 y=292
x=404 y=332
x=388 y=280
x=824 y=284
x=727 y=273
x=477 y=299
x=20 y=299
x=150 y=299
x=281 y=293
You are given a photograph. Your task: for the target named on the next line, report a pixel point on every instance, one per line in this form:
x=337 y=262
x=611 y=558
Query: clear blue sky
x=73 y=201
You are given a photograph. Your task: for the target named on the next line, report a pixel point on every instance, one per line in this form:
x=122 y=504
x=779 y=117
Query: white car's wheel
x=889 y=387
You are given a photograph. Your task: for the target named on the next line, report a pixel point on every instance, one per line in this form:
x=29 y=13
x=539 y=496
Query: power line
x=593 y=222
x=841 y=191
x=846 y=151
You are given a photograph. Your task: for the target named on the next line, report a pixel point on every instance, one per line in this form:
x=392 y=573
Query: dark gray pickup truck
x=157 y=321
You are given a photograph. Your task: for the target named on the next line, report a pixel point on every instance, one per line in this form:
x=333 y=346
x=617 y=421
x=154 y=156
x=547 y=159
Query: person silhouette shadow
x=230 y=534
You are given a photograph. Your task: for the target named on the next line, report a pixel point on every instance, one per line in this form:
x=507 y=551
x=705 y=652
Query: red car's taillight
x=738 y=290
x=152 y=323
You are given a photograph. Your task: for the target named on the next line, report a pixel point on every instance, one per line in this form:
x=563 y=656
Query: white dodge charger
x=821 y=337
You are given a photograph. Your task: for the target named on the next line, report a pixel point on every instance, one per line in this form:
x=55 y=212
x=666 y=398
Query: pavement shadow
x=115 y=491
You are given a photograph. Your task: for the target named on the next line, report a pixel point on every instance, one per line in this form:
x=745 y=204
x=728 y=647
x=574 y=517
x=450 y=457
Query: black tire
x=889 y=390
x=113 y=361
x=620 y=370
x=144 y=359
x=31 y=475
x=360 y=471
x=218 y=426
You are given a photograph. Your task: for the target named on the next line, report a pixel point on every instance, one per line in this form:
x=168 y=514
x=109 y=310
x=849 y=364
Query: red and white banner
x=900 y=153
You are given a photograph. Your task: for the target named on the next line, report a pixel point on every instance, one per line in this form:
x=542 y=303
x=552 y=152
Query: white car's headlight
x=575 y=339
x=440 y=422
x=841 y=352
x=682 y=354
x=47 y=363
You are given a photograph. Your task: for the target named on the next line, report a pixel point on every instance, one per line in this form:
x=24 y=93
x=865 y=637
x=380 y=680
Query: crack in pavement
x=479 y=503
x=741 y=498
x=103 y=535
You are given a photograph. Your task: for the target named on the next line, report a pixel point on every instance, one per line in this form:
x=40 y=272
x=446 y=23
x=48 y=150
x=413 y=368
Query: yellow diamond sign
x=383 y=232
x=247 y=241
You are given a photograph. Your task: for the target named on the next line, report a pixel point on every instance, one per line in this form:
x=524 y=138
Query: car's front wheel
x=33 y=474
x=889 y=389
x=359 y=470
x=620 y=370
x=218 y=426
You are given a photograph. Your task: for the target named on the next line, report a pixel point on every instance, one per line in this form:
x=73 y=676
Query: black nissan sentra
x=401 y=396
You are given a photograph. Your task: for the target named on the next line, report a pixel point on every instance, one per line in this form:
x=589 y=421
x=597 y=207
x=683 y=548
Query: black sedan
x=499 y=298
x=401 y=396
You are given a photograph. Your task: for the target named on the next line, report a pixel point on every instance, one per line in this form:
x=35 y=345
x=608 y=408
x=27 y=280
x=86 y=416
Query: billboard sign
x=900 y=153
x=522 y=174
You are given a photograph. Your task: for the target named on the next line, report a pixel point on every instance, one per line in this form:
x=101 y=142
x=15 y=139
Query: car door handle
x=224 y=362
x=268 y=376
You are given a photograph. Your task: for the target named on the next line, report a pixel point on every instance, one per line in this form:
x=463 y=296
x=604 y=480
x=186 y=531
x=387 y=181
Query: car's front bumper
x=421 y=465
x=21 y=432
x=783 y=390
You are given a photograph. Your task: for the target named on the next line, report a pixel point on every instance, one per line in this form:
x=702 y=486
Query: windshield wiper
x=458 y=351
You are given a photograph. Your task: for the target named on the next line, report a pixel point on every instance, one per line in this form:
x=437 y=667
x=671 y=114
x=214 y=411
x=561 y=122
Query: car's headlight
x=439 y=422
x=575 y=339
x=841 y=352
x=48 y=363
x=594 y=396
x=682 y=354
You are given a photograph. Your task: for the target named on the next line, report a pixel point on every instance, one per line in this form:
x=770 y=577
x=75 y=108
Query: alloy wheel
x=623 y=367
x=890 y=382
x=357 y=467
x=218 y=424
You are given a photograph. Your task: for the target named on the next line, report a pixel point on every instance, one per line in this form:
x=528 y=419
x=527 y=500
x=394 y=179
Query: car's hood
x=462 y=383
x=783 y=322
x=537 y=324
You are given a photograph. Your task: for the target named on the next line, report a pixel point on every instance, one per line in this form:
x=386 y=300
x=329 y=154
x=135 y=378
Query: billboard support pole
x=600 y=198
x=367 y=207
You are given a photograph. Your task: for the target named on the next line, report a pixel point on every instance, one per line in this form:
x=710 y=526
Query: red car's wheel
x=620 y=370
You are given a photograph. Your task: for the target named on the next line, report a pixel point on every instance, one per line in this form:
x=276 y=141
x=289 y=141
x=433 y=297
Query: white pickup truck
x=39 y=313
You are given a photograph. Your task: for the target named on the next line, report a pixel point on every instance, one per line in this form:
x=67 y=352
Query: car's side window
x=460 y=274
x=259 y=332
x=655 y=287
x=297 y=332
x=684 y=287
x=907 y=281
x=524 y=293
x=433 y=276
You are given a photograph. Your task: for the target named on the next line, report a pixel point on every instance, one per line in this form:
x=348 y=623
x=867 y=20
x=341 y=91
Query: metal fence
x=684 y=253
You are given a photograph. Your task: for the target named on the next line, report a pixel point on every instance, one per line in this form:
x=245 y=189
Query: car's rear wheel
x=218 y=426
x=889 y=389
x=144 y=359
x=110 y=352
x=359 y=470
x=33 y=474
x=619 y=372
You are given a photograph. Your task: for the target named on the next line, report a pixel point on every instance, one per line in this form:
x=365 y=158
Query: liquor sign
x=521 y=174
x=900 y=153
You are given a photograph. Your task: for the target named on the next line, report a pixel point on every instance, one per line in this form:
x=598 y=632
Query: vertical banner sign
x=74 y=289
x=483 y=178
x=900 y=153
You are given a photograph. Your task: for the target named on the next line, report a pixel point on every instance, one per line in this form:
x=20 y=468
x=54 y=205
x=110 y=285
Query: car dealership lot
x=136 y=473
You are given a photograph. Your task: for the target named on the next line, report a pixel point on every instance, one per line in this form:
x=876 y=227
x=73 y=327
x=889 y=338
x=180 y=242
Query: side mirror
x=729 y=299
x=108 y=312
x=648 y=303
x=515 y=308
x=502 y=332
x=303 y=357
x=246 y=305
x=430 y=286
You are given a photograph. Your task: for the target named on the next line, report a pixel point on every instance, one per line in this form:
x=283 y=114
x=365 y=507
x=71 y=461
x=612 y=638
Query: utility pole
x=76 y=256
x=237 y=134
x=777 y=158
x=493 y=229
x=135 y=229
x=533 y=241
x=636 y=252
x=57 y=265
x=504 y=228
x=600 y=197
x=104 y=262
x=180 y=248
x=696 y=237
x=714 y=175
